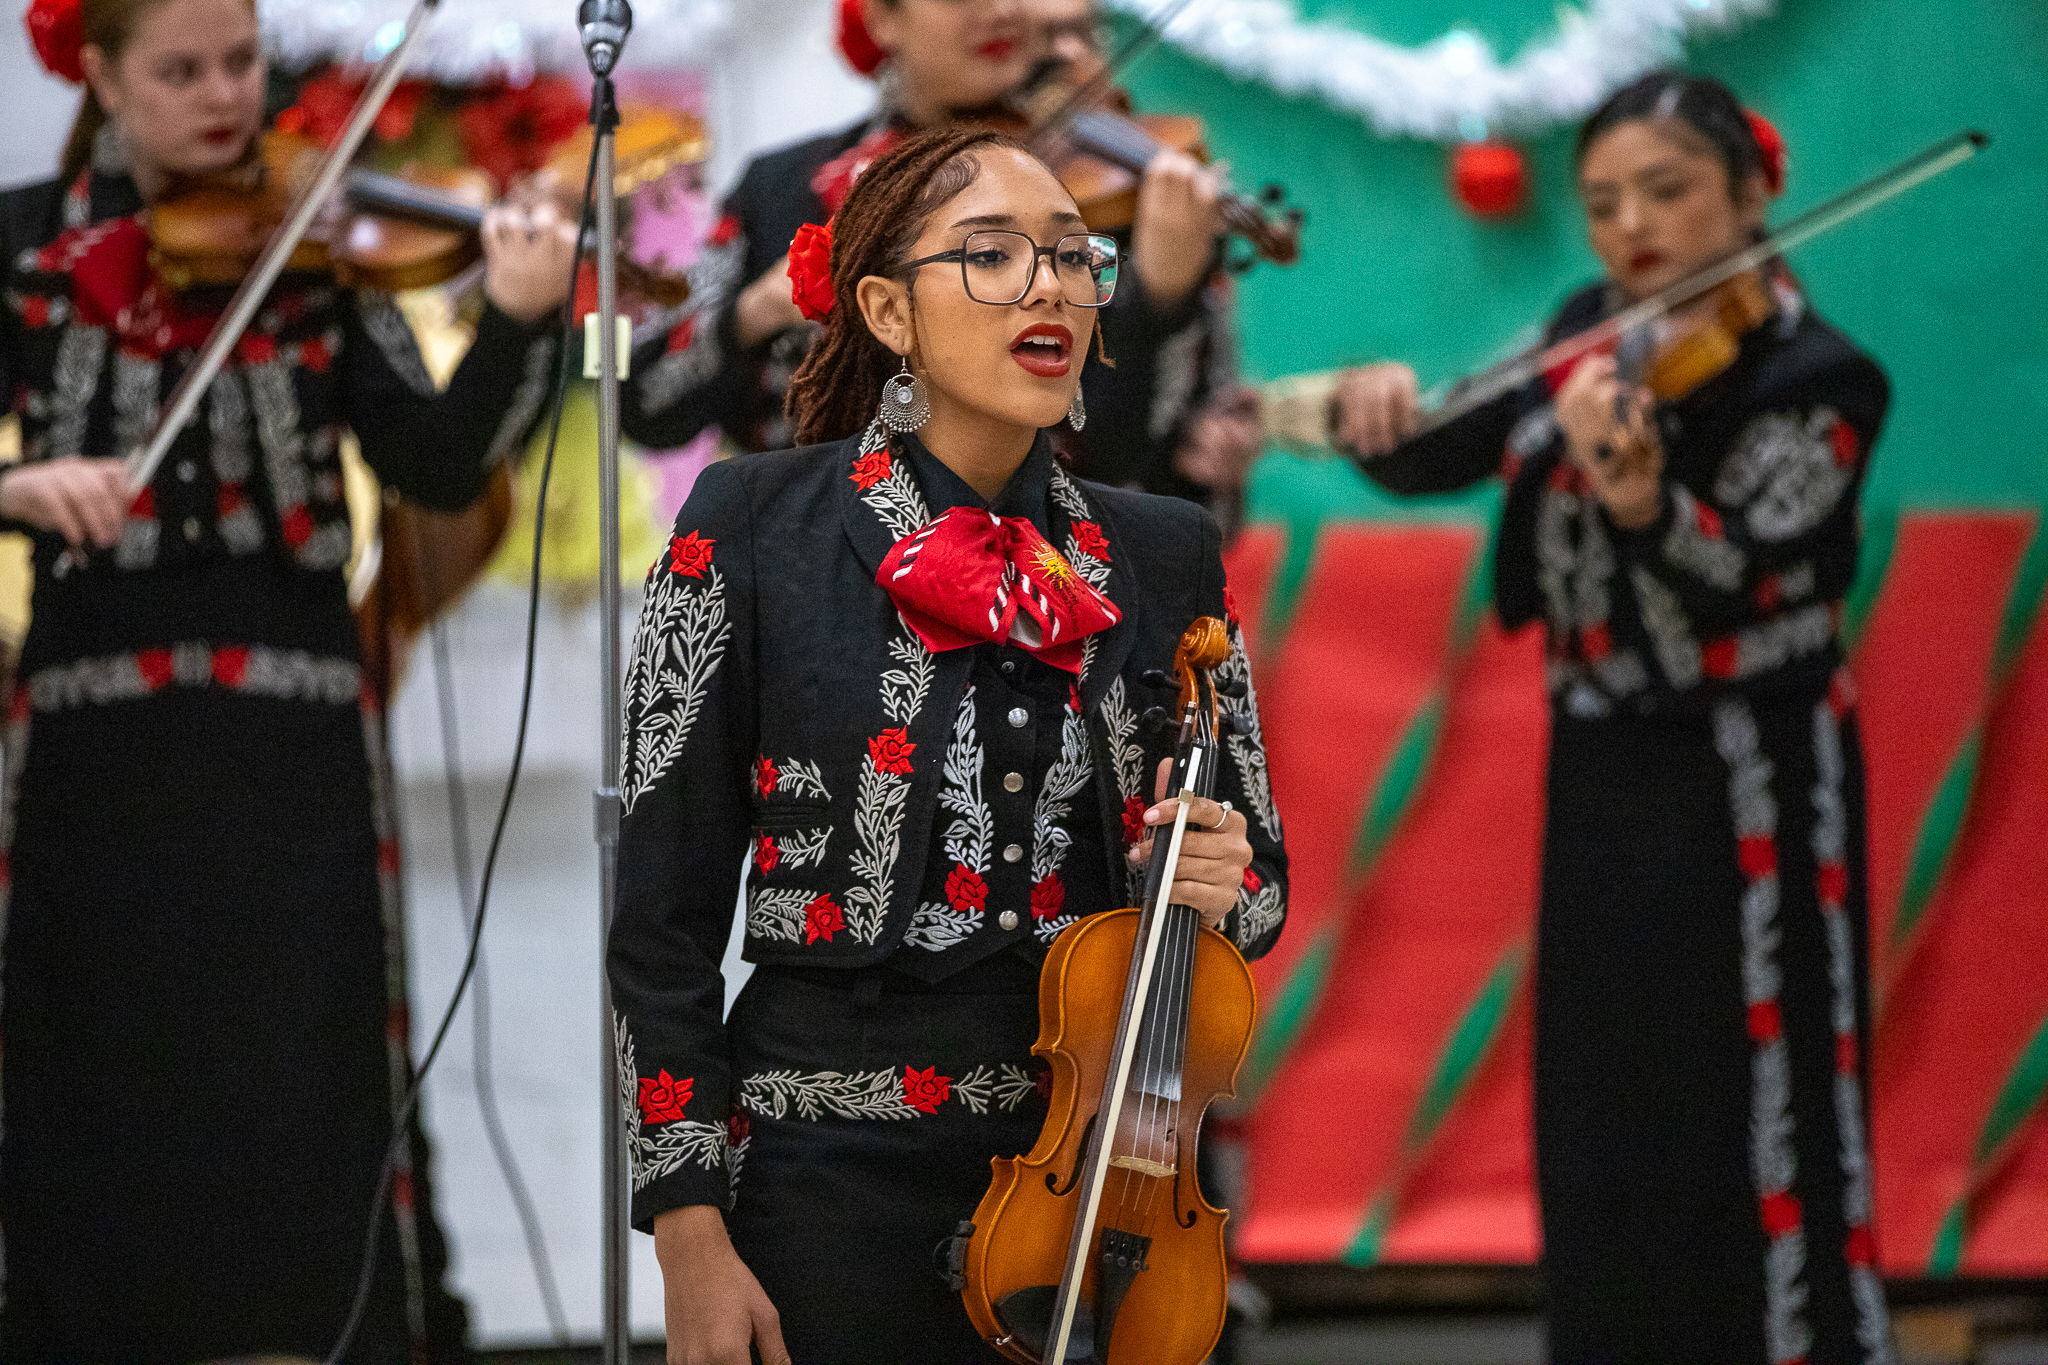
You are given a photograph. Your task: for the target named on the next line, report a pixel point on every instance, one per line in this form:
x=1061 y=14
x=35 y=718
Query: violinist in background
x=931 y=789
x=1702 y=997
x=728 y=363
x=205 y=997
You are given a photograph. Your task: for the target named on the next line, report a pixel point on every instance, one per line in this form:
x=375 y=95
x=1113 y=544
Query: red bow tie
x=971 y=577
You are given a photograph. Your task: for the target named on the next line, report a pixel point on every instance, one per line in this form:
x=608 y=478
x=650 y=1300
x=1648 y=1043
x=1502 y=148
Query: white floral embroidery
x=534 y=384
x=1175 y=368
x=75 y=377
x=673 y=1145
x=1064 y=780
x=799 y=849
x=1785 y=468
x=777 y=913
x=386 y=326
x=814 y=1095
x=712 y=280
x=1258 y=913
x=803 y=780
x=137 y=384
x=1783 y=639
x=896 y=499
x=1678 y=653
x=1246 y=741
x=1126 y=754
x=679 y=644
x=1688 y=545
x=1006 y=1087
x=256 y=670
x=879 y=805
x=968 y=839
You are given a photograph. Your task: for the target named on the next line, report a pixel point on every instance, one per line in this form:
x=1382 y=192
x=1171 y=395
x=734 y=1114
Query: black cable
x=480 y=996
x=401 y=1126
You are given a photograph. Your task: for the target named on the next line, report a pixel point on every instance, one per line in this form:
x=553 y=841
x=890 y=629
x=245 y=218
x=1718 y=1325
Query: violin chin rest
x=1026 y=1314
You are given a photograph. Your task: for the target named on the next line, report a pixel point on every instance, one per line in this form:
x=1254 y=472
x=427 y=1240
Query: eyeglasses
x=999 y=267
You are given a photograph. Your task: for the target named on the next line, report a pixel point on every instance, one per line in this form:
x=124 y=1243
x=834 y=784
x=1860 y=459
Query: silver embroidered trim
x=1258 y=914
x=673 y=1145
x=863 y=1095
x=776 y=913
x=1783 y=467
x=677 y=647
x=1064 y=780
x=1678 y=653
x=1689 y=547
x=387 y=328
x=1176 y=367
x=285 y=674
x=534 y=385
x=712 y=280
x=81 y=355
x=1247 y=741
x=969 y=838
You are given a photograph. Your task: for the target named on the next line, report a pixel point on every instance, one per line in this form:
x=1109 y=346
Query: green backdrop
x=1947 y=287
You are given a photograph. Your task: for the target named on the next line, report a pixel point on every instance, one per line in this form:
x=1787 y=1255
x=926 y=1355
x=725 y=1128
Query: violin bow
x=1512 y=373
x=1150 y=30
x=249 y=295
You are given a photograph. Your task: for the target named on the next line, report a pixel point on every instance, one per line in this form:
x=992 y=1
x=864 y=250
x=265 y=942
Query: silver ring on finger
x=1223 y=819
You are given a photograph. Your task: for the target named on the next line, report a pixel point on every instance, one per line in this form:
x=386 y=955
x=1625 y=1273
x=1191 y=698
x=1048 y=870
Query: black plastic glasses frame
x=959 y=253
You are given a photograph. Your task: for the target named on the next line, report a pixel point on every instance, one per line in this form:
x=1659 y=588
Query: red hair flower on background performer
x=915 y=662
x=200 y=871
x=1702 y=990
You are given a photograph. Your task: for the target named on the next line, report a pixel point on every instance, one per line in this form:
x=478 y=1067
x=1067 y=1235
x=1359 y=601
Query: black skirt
x=870 y=1109
x=204 y=1012
x=1702 y=1003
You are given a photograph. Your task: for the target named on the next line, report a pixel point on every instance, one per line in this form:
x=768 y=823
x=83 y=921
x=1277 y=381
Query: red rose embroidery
x=1089 y=538
x=35 y=312
x=1134 y=820
x=1842 y=437
x=966 y=892
x=728 y=229
x=231 y=665
x=766 y=855
x=155 y=667
x=257 y=349
x=765 y=776
x=810 y=271
x=1048 y=898
x=1229 y=604
x=143 y=508
x=822 y=919
x=315 y=356
x=891 y=751
x=690 y=555
x=1708 y=519
x=870 y=469
x=680 y=337
x=297 y=527
x=737 y=1129
x=230 y=499
x=662 y=1097
x=924 y=1090
x=1074 y=698
x=1252 y=883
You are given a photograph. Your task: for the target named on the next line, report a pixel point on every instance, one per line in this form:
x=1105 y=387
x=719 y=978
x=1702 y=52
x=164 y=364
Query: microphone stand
x=605 y=25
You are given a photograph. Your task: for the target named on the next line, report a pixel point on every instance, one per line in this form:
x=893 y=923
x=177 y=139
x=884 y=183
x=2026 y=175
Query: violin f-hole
x=1052 y=1179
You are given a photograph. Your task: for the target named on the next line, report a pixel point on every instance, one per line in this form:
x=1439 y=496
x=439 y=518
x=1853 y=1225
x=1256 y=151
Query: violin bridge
x=1143 y=1167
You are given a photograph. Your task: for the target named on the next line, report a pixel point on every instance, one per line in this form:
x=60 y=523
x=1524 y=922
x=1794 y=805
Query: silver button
x=1014 y=853
x=1008 y=919
x=191 y=528
x=1013 y=782
x=187 y=471
x=1019 y=717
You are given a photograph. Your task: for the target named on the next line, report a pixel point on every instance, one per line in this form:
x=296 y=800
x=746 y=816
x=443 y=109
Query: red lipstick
x=1044 y=349
x=997 y=49
x=1645 y=260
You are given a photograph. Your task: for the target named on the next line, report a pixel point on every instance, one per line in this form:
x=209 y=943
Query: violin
x=1097 y=1244
x=1670 y=343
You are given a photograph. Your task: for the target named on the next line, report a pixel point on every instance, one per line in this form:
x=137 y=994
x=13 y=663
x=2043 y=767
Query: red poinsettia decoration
x=326 y=100
x=810 y=271
x=822 y=919
x=690 y=555
x=926 y=1090
x=512 y=132
x=662 y=1097
x=966 y=892
x=58 y=32
x=765 y=776
x=1771 y=143
x=1134 y=820
x=767 y=856
x=1088 y=536
x=1048 y=898
x=870 y=469
x=891 y=751
x=856 y=44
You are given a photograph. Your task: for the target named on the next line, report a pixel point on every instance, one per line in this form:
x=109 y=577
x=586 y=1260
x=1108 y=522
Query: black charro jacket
x=765 y=637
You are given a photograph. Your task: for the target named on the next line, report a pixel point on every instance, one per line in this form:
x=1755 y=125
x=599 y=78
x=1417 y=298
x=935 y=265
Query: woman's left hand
x=1214 y=851
x=1624 y=463
x=528 y=245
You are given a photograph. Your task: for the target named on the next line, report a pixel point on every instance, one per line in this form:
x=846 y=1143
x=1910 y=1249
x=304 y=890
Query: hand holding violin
x=1375 y=408
x=1213 y=853
x=1173 y=239
x=528 y=245
x=1624 y=462
x=713 y=1307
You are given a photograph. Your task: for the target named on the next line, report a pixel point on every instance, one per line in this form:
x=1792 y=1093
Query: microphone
x=604 y=25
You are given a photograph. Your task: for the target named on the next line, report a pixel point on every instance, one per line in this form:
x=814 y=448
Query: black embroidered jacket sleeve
x=438 y=448
x=1770 y=527
x=690 y=719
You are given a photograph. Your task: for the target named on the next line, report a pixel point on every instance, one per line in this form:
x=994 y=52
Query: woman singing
x=1701 y=989
x=931 y=785
x=205 y=1010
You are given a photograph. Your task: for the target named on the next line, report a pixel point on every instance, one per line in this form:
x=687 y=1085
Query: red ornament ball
x=1490 y=178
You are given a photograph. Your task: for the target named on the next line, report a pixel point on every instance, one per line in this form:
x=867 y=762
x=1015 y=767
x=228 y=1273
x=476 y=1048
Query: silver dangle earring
x=904 y=405
x=1077 y=411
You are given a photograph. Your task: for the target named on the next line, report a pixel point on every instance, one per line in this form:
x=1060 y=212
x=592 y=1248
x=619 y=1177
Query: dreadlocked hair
x=837 y=389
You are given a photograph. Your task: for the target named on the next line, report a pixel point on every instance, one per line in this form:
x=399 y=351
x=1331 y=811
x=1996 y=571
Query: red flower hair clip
x=810 y=271
x=856 y=44
x=58 y=31
x=1772 y=145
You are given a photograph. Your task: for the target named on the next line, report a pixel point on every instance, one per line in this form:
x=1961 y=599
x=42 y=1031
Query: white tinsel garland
x=468 y=40
x=1452 y=87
